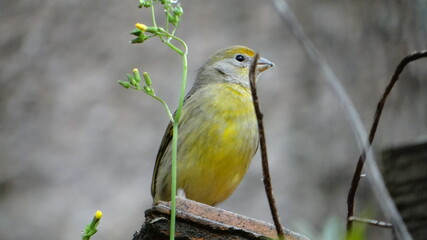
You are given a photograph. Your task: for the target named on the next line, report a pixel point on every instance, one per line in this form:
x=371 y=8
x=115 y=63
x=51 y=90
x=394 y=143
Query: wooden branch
x=376 y=223
x=264 y=157
x=199 y=221
x=380 y=106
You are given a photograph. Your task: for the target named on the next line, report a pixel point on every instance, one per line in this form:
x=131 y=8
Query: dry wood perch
x=200 y=221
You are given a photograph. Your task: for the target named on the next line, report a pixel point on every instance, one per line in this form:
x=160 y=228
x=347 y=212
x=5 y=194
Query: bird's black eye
x=240 y=58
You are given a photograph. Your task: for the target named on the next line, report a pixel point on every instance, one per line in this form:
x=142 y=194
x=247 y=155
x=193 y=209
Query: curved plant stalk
x=173 y=12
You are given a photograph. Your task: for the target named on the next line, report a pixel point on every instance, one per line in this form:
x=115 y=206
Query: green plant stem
x=173 y=47
x=167 y=26
x=183 y=85
x=175 y=120
x=179 y=51
x=165 y=105
x=173 y=178
x=175 y=138
x=173 y=31
x=153 y=15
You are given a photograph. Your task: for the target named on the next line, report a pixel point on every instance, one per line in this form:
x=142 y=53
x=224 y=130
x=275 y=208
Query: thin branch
x=380 y=106
x=387 y=205
x=265 y=168
x=376 y=223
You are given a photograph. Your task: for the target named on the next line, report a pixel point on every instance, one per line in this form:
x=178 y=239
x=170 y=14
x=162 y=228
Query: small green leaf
x=136 y=32
x=137 y=40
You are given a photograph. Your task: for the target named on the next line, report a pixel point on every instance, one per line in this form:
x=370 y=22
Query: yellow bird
x=218 y=131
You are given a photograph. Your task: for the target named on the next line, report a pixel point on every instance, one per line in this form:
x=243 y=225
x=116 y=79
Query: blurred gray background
x=73 y=141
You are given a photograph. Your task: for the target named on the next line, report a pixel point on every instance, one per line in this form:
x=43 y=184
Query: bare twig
x=265 y=168
x=371 y=222
x=377 y=116
x=387 y=205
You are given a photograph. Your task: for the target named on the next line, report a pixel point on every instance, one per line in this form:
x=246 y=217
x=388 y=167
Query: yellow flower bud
x=141 y=27
x=98 y=214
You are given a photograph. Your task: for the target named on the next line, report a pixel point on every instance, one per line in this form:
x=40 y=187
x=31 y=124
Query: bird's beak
x=263 y=64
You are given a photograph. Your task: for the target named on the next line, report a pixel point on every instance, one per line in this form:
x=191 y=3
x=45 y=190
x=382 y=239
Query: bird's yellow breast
x=218 y=136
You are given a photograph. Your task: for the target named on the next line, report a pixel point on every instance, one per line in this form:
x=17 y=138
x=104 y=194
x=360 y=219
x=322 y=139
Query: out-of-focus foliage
x=333 y=229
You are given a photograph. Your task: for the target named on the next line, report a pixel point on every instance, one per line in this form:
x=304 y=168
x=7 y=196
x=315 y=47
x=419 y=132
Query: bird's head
x=231 y=65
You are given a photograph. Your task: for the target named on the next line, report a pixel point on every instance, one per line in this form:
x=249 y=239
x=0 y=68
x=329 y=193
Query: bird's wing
x=167 y=138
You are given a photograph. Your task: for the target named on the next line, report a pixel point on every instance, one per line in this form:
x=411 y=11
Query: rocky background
x=73 y=141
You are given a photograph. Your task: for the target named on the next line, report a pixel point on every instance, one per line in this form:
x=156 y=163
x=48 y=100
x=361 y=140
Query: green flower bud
x=136 y=75
x=141 y=26
x=174 y=19
x=143 y=3
x=124 y=84
x=171 y=18
x=130 y=77
x=178 y=11
x=134 y=83
x=147 y=79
